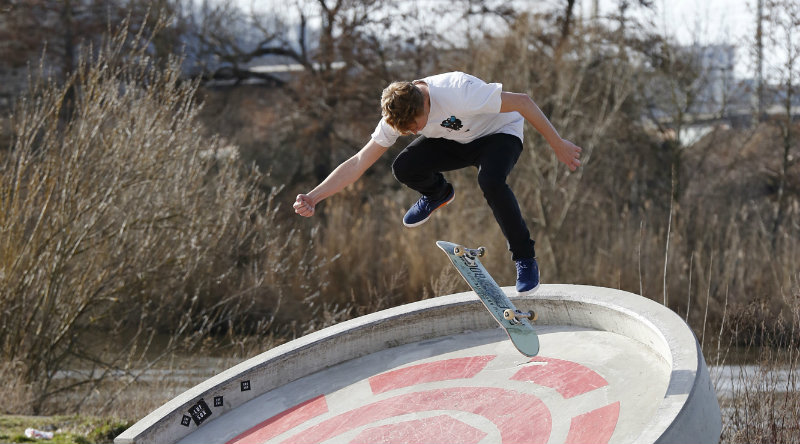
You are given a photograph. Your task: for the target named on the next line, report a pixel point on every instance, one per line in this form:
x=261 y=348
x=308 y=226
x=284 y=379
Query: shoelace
x=424 y=203
x=523 y=266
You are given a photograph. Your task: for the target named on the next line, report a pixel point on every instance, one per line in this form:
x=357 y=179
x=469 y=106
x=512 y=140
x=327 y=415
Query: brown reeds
x=758 y=389
x=124 y=226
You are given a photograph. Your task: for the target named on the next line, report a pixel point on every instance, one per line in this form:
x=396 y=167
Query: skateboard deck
x=515 y=322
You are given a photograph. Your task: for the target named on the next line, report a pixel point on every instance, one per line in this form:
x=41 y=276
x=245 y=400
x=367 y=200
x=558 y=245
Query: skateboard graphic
x=515 y=322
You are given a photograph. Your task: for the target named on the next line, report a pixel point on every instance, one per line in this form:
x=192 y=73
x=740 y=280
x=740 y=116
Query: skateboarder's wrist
x=315 y=197
x=554 y=141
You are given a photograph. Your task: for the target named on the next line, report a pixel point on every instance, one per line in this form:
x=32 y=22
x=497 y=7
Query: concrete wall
x=688 y=412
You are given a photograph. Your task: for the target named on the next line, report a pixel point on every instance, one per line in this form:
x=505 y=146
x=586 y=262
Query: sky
x=708 y=21
x=703 y=22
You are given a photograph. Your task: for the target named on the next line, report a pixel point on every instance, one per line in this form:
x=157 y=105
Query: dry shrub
x=17 y=394
x=122 y=226
x=762 y=403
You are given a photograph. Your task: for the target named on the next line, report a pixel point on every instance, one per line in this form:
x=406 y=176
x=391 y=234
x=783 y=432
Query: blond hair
x=401 y=104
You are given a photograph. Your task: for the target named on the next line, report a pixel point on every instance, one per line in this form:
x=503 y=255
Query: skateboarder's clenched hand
x=304 y=206
x=568 y=153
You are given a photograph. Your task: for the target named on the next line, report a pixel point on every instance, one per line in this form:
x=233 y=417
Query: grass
x=66 y=429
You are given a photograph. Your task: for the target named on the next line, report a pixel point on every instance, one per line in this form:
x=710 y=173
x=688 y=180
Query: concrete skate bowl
x=614 y=367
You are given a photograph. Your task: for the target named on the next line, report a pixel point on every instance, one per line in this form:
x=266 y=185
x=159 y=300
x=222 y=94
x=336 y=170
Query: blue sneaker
x=421 y=211
x=527 y=276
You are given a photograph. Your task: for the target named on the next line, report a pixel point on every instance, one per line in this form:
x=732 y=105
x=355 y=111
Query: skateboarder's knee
x=491 y=183
x=406 y=170
x=401 y=167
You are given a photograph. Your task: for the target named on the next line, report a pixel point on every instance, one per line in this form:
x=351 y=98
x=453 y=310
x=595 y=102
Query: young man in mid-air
x=462 y=121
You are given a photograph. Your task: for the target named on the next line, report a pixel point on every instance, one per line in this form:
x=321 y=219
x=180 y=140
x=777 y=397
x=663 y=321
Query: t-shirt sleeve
x=384 y=134
x=480 y=97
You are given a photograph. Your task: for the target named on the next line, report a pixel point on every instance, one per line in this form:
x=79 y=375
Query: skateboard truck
x=510 y=315
x=516 y=315
x=459 y=251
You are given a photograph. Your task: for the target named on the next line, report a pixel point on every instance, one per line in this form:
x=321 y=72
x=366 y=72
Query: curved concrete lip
x=614 y=367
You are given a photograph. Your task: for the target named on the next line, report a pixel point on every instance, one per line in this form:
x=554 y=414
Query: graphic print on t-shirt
x=452 y=123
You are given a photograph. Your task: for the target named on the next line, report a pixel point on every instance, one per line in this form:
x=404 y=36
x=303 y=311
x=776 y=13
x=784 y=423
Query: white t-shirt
x=463 y=108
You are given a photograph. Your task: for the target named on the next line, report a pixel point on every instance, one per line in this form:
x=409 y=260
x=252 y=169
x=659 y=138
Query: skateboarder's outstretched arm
x=346 y=173
x=567 y=152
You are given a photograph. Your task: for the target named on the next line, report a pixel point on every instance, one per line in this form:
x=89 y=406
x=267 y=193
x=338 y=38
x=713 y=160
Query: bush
x=121 y=224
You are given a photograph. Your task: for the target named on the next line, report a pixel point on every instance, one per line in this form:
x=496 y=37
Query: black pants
x=421 y=164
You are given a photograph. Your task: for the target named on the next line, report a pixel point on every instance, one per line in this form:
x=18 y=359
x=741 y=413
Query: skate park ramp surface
x=614 y=367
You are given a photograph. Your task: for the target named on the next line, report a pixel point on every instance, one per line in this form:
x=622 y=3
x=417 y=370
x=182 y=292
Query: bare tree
x=59 y=29
x=784 y=22
x=123 y=219
x=586 y=95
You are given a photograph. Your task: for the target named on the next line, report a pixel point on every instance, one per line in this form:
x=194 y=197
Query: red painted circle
x=519 y=417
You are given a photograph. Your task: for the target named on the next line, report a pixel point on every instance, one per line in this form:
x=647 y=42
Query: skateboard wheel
x=509 y=314
x=534 y=316
x=459 y=251
x=481 y=251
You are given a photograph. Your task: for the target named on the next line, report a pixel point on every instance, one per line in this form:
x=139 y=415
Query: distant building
x=721 y=91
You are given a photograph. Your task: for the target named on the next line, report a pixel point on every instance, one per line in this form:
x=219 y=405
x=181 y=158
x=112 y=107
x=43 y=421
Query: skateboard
x=515 y=322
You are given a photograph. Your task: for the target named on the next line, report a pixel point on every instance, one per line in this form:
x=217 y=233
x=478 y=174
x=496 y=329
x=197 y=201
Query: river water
x=733 y=380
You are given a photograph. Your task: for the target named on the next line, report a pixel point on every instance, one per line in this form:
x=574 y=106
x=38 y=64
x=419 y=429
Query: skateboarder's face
x=418 y=124
x=422 y=120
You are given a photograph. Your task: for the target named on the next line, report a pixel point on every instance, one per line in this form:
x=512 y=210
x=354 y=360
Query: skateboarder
x=462 y=121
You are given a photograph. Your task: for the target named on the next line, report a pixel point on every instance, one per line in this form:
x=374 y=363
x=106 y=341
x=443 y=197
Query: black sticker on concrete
x=218 y=401
x=186 y=420
x=200 y=412
x=245 y=386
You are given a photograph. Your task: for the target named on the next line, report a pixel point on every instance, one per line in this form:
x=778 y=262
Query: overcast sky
x=703 y=22
x=711 y=21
